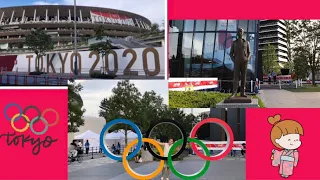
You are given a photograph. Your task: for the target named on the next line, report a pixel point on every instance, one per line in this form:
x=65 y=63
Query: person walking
x=119 y=148
x=269 y=77
x=87 y=145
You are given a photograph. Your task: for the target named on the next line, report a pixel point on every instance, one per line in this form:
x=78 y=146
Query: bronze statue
x=240 y=55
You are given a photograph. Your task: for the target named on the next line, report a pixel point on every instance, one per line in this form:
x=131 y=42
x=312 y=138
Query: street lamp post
x=75 y=38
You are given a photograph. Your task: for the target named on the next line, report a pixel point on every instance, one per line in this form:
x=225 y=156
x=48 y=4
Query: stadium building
x=58 y=21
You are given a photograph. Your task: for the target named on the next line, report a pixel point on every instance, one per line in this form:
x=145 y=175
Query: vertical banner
x=33 y=133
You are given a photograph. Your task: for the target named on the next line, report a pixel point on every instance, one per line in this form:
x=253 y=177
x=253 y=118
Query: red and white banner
x=112 y=18
x=190 y=84
x=279 y=77
x=221 y=145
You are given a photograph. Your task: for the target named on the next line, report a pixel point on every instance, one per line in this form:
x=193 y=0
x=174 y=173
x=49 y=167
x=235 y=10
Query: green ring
x=196 y=175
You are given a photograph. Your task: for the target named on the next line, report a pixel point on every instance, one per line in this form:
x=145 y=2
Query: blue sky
x=154 y=10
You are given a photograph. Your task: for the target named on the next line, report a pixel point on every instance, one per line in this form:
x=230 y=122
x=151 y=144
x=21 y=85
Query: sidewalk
x=276 y=98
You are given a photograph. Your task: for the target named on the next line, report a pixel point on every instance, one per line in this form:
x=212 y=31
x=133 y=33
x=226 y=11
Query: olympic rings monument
x=196 y=145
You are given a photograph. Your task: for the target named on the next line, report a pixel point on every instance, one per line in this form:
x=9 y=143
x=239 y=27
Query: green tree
x=39 y=42
x=75 y=104
x=270 y=60
x=307 y=44
x=301 y=65
x=155 y=28
x=123 y=103
x=103 y=47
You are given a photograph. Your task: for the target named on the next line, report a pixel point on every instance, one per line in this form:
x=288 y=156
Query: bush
x=195 y=99
x=102 y=76
x=198 y=99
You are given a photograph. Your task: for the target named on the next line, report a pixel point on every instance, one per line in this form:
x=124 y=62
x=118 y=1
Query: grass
x=199 y=99
x=305 y=88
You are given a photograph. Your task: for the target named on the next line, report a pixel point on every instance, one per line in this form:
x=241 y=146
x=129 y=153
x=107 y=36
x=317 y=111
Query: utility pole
x=75 y=38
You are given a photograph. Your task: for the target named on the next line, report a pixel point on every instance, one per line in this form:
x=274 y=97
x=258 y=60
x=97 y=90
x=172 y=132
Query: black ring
x=184 y=136
x=35 y=108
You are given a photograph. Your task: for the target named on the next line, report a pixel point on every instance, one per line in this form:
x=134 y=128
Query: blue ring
x=107 y=127
x=8 y=106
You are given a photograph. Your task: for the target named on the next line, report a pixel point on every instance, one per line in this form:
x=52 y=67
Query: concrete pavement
x=276 y=98
x=226 y=169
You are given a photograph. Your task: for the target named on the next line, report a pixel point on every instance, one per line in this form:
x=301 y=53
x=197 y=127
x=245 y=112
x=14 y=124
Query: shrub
x=199 y=99
x=195 y=99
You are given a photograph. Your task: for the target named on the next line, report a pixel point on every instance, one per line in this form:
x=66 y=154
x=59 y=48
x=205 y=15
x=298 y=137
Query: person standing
x=87 y=145
x=119 y=148
x=274 y=75
x=166 y=169
x=269 y=77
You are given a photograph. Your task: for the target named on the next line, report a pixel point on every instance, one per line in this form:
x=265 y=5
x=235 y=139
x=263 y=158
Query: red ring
x=224 y=125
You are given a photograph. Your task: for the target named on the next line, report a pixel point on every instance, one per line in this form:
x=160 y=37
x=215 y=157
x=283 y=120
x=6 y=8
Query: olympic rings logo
x=192 y=140
x=30 y=124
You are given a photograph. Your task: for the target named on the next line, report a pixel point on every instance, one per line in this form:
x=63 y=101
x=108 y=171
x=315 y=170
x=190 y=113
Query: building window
x=200 y=25
x=177 y=26
x=243 y=24
x=173 y=38
x=211 y=25
x=188 y=25
x=186 y=51
x=196 y=66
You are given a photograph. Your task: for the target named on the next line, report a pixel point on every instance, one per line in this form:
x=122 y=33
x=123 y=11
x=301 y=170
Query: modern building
x=234 y=117
x=201 y=48
x=273 y=32
x=58 y=21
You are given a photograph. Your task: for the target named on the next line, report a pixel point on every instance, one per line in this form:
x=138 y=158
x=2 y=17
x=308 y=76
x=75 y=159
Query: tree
x=75 y=104
x=270 y=60
x=301 y=65
x=155 y=28
x=123 y=103
x=39 y=42
x=307 y=44
x=102 y=47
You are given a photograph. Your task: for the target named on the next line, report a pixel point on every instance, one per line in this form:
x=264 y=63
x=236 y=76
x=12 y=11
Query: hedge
x=198 y=99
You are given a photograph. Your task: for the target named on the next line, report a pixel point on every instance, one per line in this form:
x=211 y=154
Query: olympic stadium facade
x=58 y=21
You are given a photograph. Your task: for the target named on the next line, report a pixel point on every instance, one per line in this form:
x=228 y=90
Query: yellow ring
x=14 y=127
x=134 y=174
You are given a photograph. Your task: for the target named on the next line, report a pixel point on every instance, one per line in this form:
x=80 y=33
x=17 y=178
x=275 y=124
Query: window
x=176 y=26
x=188 y=25
x=211 y=25
x=173 y=45
x=186 y=51
x=200 y=25
x=197 y=55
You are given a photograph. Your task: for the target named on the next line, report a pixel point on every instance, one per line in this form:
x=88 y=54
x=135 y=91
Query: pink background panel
x=20 y=163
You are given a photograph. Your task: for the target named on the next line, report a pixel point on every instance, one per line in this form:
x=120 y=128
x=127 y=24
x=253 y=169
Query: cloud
x=44 y=3
x=95 y=90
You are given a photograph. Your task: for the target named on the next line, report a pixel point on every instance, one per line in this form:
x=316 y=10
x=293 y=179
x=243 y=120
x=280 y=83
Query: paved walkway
x=276 y=98
x=226 y=169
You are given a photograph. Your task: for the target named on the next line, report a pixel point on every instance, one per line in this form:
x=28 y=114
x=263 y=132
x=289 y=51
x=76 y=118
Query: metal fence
x=10 y=79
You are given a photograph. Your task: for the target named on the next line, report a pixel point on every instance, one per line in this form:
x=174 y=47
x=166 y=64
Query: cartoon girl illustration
x=285 y=135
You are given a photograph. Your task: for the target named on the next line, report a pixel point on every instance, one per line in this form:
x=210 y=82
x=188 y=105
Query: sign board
x=190 y=84
x=221 y=145
x=134 y=62
x=112 y=18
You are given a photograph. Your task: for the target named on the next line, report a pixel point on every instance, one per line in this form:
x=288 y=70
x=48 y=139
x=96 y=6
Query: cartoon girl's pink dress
x=286 y=159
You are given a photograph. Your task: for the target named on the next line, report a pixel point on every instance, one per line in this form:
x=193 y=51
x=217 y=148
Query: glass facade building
x=201 y=48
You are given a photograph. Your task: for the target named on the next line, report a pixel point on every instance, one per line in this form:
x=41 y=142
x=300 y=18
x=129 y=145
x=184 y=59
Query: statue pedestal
x=238 y=102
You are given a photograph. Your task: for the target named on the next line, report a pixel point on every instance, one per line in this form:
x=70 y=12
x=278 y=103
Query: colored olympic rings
x=134 y=174
x=108 y=126
x=126 y=156
x=182 y=131
x=29 y=124
x=226 y=128
x=196 y=175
